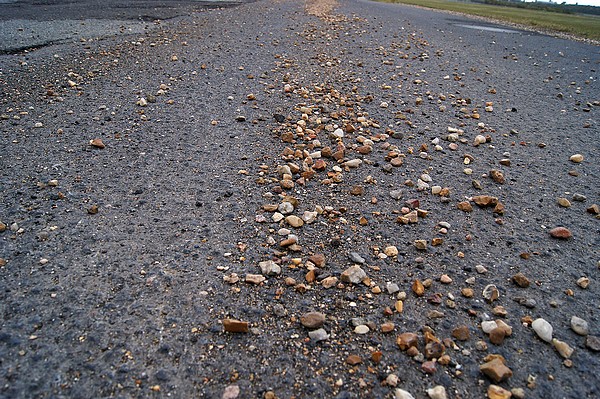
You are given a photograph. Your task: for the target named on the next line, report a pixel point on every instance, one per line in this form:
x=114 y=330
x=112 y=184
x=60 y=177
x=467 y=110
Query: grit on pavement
x=296 y=199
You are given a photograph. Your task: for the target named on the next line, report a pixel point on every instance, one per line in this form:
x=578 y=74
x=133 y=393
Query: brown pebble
x=561 y=233
x=376 y=356
x=318 y=260
x=594 y=209
x=387 y=327
x=407 y=340
x=465 y=206
x=496 y=369
x=428 y=367
x=312 y=320
x=92 y=210
x=97 y=143
x=235 y=326
x=520 y=280
x=353 y=360
x=497 y=176
x=418 y=288
x=461 y=333
x=497 y=336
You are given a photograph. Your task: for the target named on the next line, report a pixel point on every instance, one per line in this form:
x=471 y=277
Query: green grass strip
x=583 y=26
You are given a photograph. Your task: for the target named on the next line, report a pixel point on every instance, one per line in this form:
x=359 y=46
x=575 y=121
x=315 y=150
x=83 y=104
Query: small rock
x=231 y=392
x=429 y=367
x=497 y=392
x=387 y=327
x=269 y=268
x=362 y=329
x=491 y=293
x=294 y=221
x=580 y=326
x=488 y=326
x=356 y=258
x=434 y=350
x=520 y=280
x=391 y=251
x=579 y=197
x=312 y=320
x=402 y=394
x=318 y=335
x=543 y=329
x=392 y=380
x=97 y=143
x=594 y=209
x=354 y=274
x=461 y=333
x=353 y=360
x=497 y=176
x=317 y=259
x=437 y=392
x=92 y=210
x=496 y=370
x=392 y=288
x=235 y=326
x=418 y=288
x=421 y=244
x=562 y=348
x=583 y=282
x=565 y=203
x=254 y=278
x=561 y=233
x=592 y=342
x=577 y=158
x=497 y=336
x=465 y=206
x=407 y=340
x=329 y=282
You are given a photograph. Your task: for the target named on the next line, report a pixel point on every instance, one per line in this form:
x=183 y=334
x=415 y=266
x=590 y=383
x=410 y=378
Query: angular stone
x=418 y=288
x=317 y=259
x=497 y=336
x=562 y=348
x=294 y=221
x=520 y=280
x=235 y=326
x=312 y=320
x=434 y=350
x=485 y=200
x=269 y=268
x=318 y=335
x=491 y=293
x=496 y=370
x=387 y=327
x=353 y=360
x=429 y=367
x=329 y=282
x=592 y=342
x=497 y=176
x=391 y=251
x=461 y=333
x=356 y=258
x=353 y=274
x=407 y=340
x=437 y=392
x=465 y=206
x=497 y=392
x=254 y=278
x=421 y=244
x=97 y=143
x=402 y=394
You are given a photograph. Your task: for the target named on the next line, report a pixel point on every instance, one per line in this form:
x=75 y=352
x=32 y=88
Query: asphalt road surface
x=286 y=199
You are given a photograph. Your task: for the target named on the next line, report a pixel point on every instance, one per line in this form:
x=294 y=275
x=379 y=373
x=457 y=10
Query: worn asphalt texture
x=115 y=260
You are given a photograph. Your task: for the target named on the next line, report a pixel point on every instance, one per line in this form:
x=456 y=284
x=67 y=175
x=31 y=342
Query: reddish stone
x=561 y=232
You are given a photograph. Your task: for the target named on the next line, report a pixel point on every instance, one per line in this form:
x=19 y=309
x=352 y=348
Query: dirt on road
x=312 y=200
